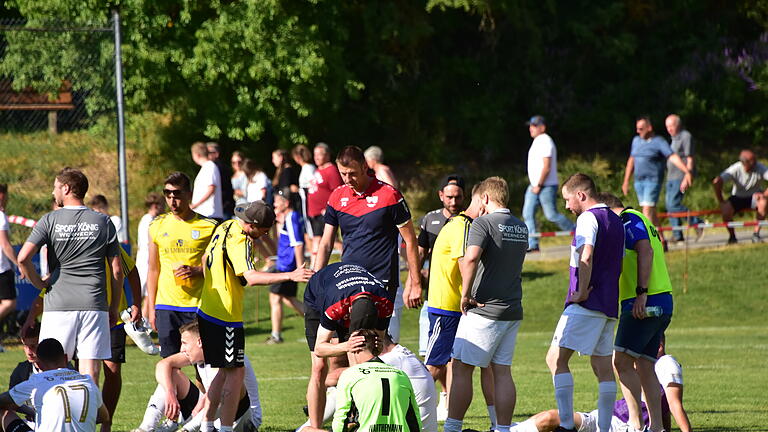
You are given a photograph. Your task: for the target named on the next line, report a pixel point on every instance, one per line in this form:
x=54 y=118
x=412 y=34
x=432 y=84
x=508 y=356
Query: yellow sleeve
x=240 y=252
x=458 y=236
x=128 y=264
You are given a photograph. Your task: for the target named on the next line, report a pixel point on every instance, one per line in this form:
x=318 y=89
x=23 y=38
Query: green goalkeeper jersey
x=375 y=397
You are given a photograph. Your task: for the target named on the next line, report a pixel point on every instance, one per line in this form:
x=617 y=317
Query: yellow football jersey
x=223 y=294
x=179 y=243
x=128 y=264
x=444 y=275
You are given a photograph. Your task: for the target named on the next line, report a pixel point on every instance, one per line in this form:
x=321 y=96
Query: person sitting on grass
x=290 y=256
x=180 y=400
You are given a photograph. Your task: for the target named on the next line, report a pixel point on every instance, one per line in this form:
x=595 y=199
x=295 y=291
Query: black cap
x=256 y=213
x=452 y=179
x=536 y=120
x=363 y=314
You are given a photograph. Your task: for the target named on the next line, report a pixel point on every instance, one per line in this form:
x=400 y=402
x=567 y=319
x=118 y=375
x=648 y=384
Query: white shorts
x=83 y=332
x=481 y=341
x=589 y=423
x=585 y=331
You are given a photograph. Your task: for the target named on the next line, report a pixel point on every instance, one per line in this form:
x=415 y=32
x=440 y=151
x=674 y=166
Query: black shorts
x=311 y=324
x=168 y=323
x=18 y=425
x=285 y=289
x=117 y=336
x=8 y=285
x=318 y=225
x=740 y=203
x=223 y=347
x=189 y=402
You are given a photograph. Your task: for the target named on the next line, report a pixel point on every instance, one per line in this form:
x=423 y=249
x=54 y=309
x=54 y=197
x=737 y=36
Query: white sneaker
x=140 y=333
x=442 y=407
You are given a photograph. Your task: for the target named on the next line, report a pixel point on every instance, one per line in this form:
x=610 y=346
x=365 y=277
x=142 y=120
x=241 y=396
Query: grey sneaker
x=271 y=340
x=756 y=238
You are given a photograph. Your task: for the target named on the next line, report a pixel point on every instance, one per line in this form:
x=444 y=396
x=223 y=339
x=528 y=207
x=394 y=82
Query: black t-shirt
x=289 y=176
x=227 y=193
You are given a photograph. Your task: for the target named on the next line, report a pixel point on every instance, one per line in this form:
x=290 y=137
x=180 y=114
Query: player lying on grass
x=180 y=400
x=670 y=375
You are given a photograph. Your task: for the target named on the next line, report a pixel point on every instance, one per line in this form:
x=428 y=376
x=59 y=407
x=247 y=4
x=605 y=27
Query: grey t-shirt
x=682 y=144
x=78 y=242
x=745 y=183
x=504 y=240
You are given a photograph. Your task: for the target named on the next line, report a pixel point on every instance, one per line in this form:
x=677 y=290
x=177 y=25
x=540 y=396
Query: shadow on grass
x=533 y=275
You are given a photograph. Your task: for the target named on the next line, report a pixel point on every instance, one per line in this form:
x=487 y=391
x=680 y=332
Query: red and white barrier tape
x=669 y=228
x=20 y=220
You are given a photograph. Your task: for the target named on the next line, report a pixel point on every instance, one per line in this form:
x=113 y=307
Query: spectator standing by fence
x=239 y=178
x=682 y=145
x=542 y=173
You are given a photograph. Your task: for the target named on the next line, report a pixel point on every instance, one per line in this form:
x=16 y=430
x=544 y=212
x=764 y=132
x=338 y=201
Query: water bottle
x=653 y=311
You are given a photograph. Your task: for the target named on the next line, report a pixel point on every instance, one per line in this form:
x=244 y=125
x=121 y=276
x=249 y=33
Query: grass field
x=718 y=334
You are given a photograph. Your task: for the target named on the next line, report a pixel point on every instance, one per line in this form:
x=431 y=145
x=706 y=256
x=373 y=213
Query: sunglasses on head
x=173 y=193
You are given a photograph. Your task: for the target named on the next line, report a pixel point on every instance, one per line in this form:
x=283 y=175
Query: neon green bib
x=659 y=281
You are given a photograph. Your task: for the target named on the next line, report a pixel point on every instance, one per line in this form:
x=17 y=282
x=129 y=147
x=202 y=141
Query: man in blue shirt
x=647 y=160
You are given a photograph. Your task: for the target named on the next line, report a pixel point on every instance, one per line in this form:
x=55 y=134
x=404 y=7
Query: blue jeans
x=547 y=199
x=674 y=200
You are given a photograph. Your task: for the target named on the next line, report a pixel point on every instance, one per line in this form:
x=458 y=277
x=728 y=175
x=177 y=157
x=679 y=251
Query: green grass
x=718 y=333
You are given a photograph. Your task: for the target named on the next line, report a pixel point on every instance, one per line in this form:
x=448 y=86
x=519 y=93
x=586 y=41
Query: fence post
x=120 y=126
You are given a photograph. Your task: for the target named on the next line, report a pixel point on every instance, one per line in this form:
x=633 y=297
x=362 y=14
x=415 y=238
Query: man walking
x=591 y=306
x=491 y=301
x=646 y=160
x=682 y=145
x=76 y=310
x=542 y=172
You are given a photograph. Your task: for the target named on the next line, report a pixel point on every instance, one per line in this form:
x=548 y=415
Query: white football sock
x=605 y=399
x=155 y=410
x=492 y=416
x=501 y=428
x=330 y=403
x=564 y=397
x=207 y=426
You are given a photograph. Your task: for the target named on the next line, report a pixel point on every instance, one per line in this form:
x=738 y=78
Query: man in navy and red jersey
x=339 y=298
x=325 y=180
x=591 y=306
x=371 y=214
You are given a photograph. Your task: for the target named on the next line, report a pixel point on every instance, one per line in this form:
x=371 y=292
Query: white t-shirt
x=668 y=370
x=541 y=147
x=118 y=223
x=5 y=263
x=421 y=380
x=745 y=184
x=142 y=248
x=71 y=401
x=306 y=175
x=256 y=187
x=207 y=176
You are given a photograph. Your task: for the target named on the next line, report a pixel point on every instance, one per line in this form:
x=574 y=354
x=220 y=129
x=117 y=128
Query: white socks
x=155 y=410
x=605 y=400
x=500 y=428
x=207 y=426
x=492 y=415
x=564 y=397
x=452 y=425
x=330 y=403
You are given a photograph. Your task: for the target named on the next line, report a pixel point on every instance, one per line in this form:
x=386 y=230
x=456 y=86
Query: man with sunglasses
x=177 y=242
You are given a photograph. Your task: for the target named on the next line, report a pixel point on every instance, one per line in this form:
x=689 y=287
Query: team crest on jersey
x=344 y=201
x=179 y=243
x=165 y=234
x=372 y=200
x=195 y=234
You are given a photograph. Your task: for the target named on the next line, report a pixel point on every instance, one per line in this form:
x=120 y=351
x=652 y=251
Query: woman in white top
x=257 y=181
x=303 y=158
x=239 y=179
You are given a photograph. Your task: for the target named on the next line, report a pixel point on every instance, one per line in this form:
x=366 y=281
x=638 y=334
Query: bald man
x=682 y=145
x=747 y=175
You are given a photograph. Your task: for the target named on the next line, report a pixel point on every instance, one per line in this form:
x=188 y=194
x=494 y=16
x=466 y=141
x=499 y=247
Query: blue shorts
x=168 y=323
x=442 y=332
x=647 y=192
x=640 y=338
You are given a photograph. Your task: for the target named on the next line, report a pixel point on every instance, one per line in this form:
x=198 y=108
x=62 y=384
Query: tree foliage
x=439 y=81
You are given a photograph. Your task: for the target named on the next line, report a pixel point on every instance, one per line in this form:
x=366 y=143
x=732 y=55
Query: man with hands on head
x=370 y=214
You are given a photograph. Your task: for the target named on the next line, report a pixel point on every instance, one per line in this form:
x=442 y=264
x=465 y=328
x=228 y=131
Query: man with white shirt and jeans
x=206 y=193
x=592 y=302
x=491 y=304
x=542 y=172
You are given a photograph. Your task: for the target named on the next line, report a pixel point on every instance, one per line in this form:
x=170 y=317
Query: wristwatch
x=640 y=290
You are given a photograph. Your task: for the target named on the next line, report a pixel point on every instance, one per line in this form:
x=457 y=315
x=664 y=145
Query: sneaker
x=732 y=240
x=533 y=250
x=271 y=340
x=140 y=333
x=167 y=426
x=756 y=238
